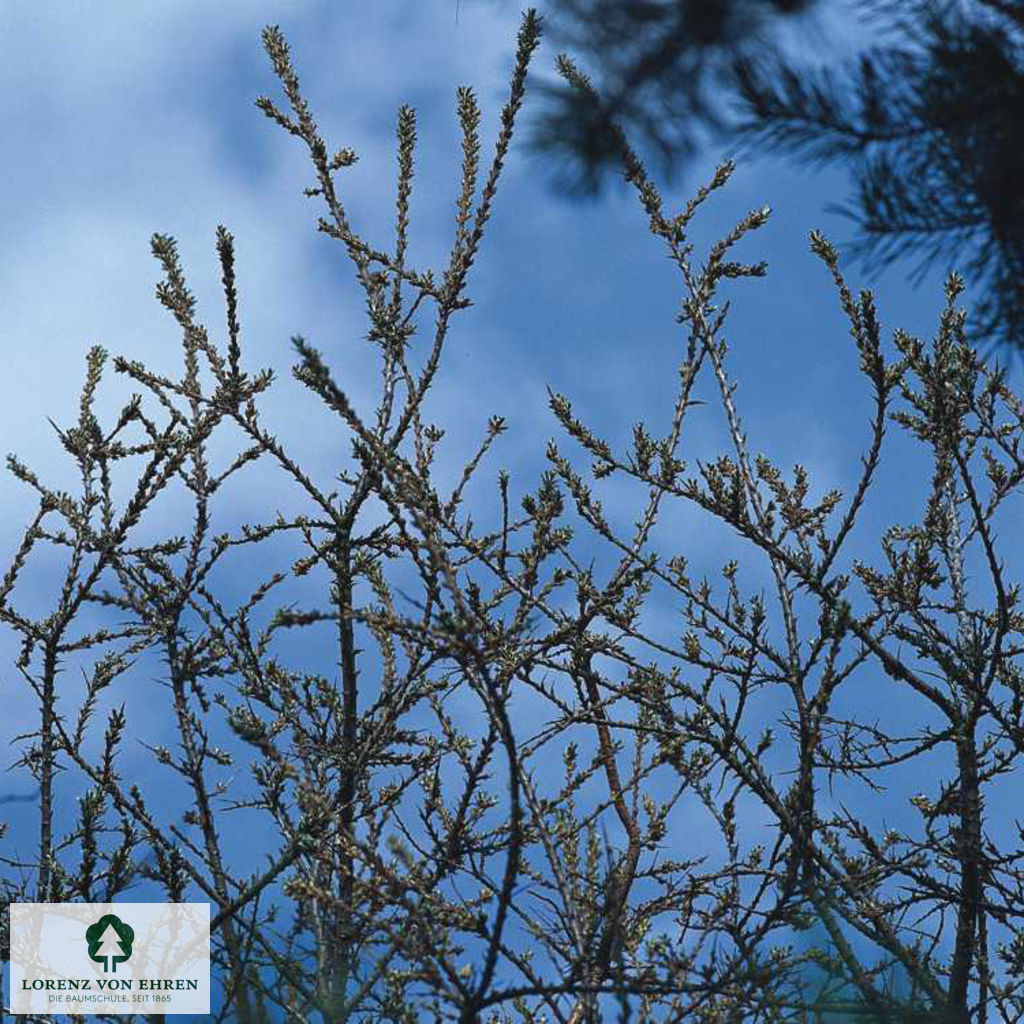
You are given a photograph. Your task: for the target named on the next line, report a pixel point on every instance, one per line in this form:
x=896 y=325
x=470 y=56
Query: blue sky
x=129 y=119
x=123 y=119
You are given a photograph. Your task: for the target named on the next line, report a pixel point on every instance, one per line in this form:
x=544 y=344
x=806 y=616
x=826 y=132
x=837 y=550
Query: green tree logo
x=110 y=941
